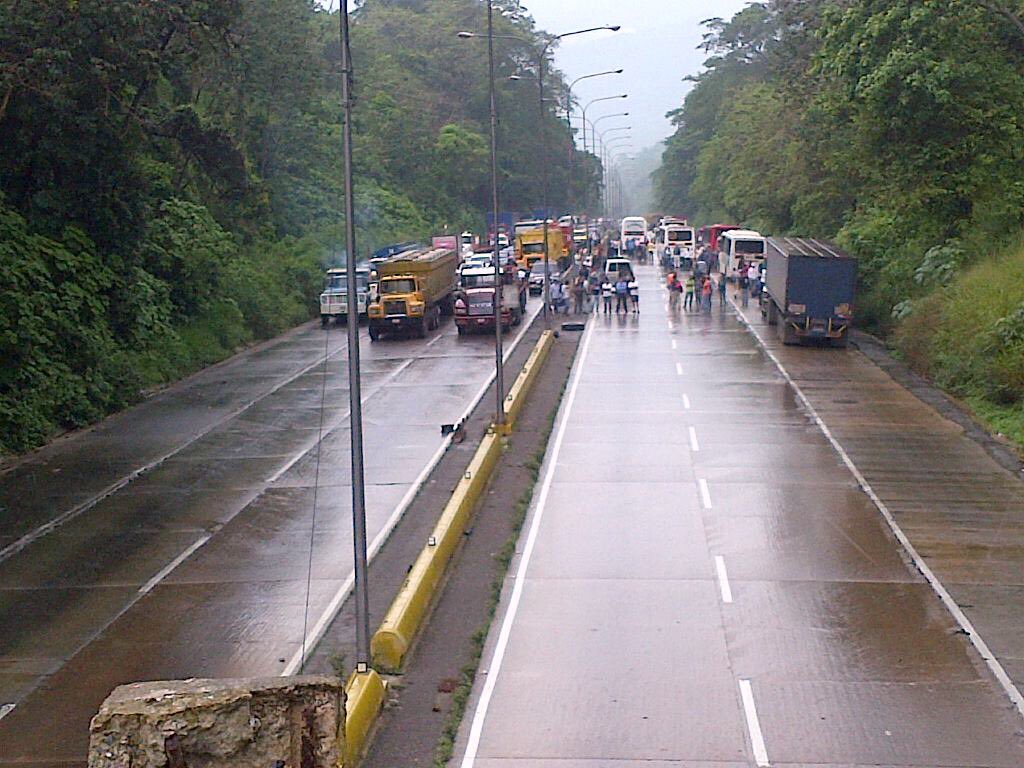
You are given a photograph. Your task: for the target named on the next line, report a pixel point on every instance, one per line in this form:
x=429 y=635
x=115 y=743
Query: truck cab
x=530 y=246
x=474 y=301
x=334 y=299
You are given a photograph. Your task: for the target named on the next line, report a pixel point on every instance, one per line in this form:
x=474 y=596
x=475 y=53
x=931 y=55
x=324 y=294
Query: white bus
x=632 y=227
x=739 y=245
x=674 y=244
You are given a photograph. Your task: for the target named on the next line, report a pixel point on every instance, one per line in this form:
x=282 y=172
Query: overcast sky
x=656 y=47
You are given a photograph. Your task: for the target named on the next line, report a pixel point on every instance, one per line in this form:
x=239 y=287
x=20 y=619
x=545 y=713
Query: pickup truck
x=811 y=286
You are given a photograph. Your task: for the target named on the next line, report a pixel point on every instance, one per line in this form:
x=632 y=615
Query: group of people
x=694 y=291
x=588 y=292
x=751 y=281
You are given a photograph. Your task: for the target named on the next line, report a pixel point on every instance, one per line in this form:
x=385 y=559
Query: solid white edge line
x=498 y=656
x=294 y=665
x=959 y=616
x=723 y=579
x=686 y=402
x=694 y=445
x=679 y=369
x=164 y=572
x=5 y=710
x=753 y=724
x=705 y=493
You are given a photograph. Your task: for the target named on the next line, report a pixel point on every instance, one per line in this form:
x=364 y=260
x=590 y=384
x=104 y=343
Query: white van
x=614 y=269
x=739 y=245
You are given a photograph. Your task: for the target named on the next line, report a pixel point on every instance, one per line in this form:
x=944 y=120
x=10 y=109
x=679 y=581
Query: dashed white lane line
x=694 y=445
x=705 y=494
x=679 y=369
x=674 y=345
x=686 y=402
x=723 y=579
x=997 y=669
x=753 y=724
x=165 y=571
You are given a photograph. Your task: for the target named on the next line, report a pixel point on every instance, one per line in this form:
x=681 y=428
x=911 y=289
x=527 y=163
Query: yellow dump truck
x=414 y=288
x=530 y=246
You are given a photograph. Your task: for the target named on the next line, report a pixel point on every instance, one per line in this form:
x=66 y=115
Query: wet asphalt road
x=185 y=523
x=702 y=582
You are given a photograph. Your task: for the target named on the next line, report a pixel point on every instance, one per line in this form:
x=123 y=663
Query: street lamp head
x=619 y=71
x=466 y=35
x=615 y=28
x=515 y=77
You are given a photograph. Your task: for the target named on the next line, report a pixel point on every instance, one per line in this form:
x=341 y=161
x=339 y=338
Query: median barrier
x=410 y=606
x=364 y=696
x=524 y=382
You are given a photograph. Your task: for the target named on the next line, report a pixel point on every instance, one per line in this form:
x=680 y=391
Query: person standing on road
x=721 y=291
x=634 y=294
x=754 y=280
x=744 y=286
x=705 y=295
x=690 y=286
x=621 y=296
x=579 y=288
x=595 y=292
x=674 y=291
x=558 y=299
x=606 y=295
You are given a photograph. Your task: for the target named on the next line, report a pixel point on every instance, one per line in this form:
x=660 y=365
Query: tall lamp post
x=584 y=111
x=361 y=591
x=542 y=112
x=499 y=363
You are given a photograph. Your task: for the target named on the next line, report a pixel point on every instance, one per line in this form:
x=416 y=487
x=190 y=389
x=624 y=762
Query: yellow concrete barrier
x=364 y=693
x=524 y=382
x=390 y=643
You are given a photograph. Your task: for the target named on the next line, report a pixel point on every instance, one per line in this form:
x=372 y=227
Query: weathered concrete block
x=277 y=722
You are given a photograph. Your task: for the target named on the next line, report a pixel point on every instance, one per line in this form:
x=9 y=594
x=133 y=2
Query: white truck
x=334 y=299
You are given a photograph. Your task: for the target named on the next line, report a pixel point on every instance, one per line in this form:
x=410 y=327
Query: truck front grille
x=394 y=307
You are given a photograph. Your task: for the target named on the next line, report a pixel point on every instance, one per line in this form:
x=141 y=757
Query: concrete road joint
x=498 y=655
x=959 y=616
x=294 y=666
x=50 y=526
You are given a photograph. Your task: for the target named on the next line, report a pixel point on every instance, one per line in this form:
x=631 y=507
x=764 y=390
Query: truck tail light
x=797 y=309
x=842 y=310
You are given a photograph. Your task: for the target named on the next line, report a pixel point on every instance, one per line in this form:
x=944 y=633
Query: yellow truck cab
x=414 y=289
x=530 y=246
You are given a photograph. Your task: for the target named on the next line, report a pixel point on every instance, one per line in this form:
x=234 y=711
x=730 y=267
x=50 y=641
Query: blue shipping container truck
x=811 y=286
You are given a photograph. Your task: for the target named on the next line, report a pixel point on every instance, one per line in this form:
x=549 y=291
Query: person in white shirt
x=754 y=279
x=606 y=295
x=634 y=295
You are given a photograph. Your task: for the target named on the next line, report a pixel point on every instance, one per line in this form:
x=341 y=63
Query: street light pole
x=499 y=363
x=584 y=111
x=361 y=590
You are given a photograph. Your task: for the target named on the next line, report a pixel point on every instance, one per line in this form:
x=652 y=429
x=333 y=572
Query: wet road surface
x=197 y=566
x=703 y=583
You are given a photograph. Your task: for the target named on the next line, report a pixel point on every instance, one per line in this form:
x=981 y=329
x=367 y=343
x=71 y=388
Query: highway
x=172 y=540
x=702 y=581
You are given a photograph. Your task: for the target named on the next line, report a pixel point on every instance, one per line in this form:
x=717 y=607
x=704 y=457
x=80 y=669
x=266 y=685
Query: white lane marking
x=679 y=369
x=674 y=344
x=959 y=616
x=5 y=710
x=311 y=443
x=753 y=724
x=686 y=402
x=52 y=525
x=493 y=669
x=166 y=570
x=723 y=579
x=294 y=665
x=694 y=445
x=705 y=494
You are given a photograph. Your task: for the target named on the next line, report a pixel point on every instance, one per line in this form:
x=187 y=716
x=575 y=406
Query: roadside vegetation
x=170 y=185
x=895 y=127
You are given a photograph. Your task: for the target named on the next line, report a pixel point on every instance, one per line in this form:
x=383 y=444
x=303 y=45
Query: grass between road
x=503 y=559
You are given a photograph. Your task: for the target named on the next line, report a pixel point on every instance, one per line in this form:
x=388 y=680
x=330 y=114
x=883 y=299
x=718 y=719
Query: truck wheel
x=461 y=329
x=324 y=320
x=786 y=333
x=773 y=313
x=374 y=333
x=421 y=329
x=842 y=342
